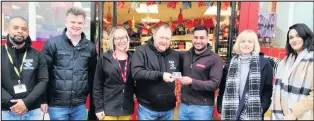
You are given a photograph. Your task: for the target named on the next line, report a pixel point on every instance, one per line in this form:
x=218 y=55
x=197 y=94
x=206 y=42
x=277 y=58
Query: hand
x=168 y=77
x=100 y=115
x=290 y=116
x=44 y=108
x=185 y=80
x=19 y=108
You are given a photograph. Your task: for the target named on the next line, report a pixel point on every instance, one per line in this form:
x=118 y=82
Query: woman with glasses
x=113 y=95
x=293 y=90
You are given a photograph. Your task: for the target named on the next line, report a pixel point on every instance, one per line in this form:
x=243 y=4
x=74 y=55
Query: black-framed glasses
x=120 y=38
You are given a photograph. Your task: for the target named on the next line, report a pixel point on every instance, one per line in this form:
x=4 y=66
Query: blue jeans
x=195 y=112
x=146 y=114
x=75 y=113
x=30 y=115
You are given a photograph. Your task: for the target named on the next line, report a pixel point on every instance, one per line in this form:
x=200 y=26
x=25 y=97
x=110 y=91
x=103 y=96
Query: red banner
x=121 y=4
x=150 y=3
x=200 y=4
x=172 y=4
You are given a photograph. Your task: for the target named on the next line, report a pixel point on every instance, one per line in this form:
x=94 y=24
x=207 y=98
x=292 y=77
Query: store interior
x=141 y=19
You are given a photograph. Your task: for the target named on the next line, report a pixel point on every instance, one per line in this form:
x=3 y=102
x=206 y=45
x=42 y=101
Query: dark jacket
x=206 y=74
x=71 y=70
x=110 y=92
x=266 y=86
x=34 y=75
x=148 y=66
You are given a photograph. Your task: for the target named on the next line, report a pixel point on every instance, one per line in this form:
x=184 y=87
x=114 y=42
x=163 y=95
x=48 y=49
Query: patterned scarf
x=293 y=80
x=230 y=103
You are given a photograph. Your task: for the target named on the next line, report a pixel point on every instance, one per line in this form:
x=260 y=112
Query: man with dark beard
x=202 y=71
x=24 y=74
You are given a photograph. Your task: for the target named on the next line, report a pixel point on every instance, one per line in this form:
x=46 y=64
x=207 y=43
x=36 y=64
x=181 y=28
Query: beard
x=201 y=49
x=18 y=39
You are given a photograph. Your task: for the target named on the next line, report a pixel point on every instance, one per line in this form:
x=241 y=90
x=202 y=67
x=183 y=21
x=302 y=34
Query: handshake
x=167 y=77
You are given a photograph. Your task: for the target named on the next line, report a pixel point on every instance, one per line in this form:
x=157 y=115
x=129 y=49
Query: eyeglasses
x=120 y=38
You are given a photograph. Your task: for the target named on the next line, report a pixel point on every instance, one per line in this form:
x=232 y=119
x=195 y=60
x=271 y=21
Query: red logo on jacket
x=200 y=65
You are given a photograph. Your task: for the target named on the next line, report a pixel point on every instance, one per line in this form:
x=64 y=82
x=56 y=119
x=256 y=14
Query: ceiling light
x=150 y=20
x=213 y=11
x=147 y=9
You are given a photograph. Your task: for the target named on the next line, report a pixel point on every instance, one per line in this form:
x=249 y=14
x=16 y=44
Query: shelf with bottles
x=187 y=37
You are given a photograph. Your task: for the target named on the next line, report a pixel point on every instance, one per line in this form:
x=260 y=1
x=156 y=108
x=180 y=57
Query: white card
x=20 y=88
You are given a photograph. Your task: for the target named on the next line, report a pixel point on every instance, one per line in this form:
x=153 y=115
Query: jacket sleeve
x=49 y=52
x=139 y=71
x=214 y=78
x=274 y=62
x=305 y=104
x=267 y=88
x=222 y=86
x=98 y=87
x=5 y=99
x=42 y=79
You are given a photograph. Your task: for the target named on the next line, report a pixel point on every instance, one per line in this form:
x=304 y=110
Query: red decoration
x=225 y=5
x=178 y=93
x=180 y=17
x=121 y=4
x=200 y=4
x=150 y=3
x=172 y=5
x=108 y=17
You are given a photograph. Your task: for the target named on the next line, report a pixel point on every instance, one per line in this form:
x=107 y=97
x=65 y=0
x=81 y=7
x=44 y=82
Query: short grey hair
x=76 y=11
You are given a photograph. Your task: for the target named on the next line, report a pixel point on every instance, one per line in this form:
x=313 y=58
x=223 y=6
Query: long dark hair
x=305 y=33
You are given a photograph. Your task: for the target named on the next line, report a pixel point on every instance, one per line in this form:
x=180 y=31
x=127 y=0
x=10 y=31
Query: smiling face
x=120 y=40
x=246 y=45
x=200 y=40
x=295 y=41
x=162 y=39
x=75 y=24
x=18 y=30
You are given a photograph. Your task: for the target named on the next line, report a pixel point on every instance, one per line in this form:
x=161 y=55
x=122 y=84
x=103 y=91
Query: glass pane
x=51 y=15
x=12 y=9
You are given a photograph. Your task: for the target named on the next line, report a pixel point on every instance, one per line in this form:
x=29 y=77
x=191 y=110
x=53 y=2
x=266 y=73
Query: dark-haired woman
x=293 y=90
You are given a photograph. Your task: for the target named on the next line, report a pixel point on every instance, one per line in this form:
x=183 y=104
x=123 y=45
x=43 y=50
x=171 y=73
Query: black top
x=110 y=93
x=148 y=66
x=71 y=70
x=34 y=75
x=122 y=63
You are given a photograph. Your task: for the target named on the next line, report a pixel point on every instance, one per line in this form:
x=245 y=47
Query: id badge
x=19 y=88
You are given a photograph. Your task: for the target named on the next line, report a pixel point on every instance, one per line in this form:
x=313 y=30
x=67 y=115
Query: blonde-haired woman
x=246 y=86
x=113 y=95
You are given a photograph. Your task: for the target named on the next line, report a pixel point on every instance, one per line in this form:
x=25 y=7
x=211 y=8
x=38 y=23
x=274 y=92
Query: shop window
x=50 y=18
x=11 y=9
x=46 y=19
x=141 y=19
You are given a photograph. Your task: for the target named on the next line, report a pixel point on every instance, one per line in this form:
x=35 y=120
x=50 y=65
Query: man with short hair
x=24 y=74
x=202 y=71
x=71 y=59
x=152 y=65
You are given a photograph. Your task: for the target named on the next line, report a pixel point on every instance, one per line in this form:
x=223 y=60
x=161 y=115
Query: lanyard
x=15 y=69
x=123 y=73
